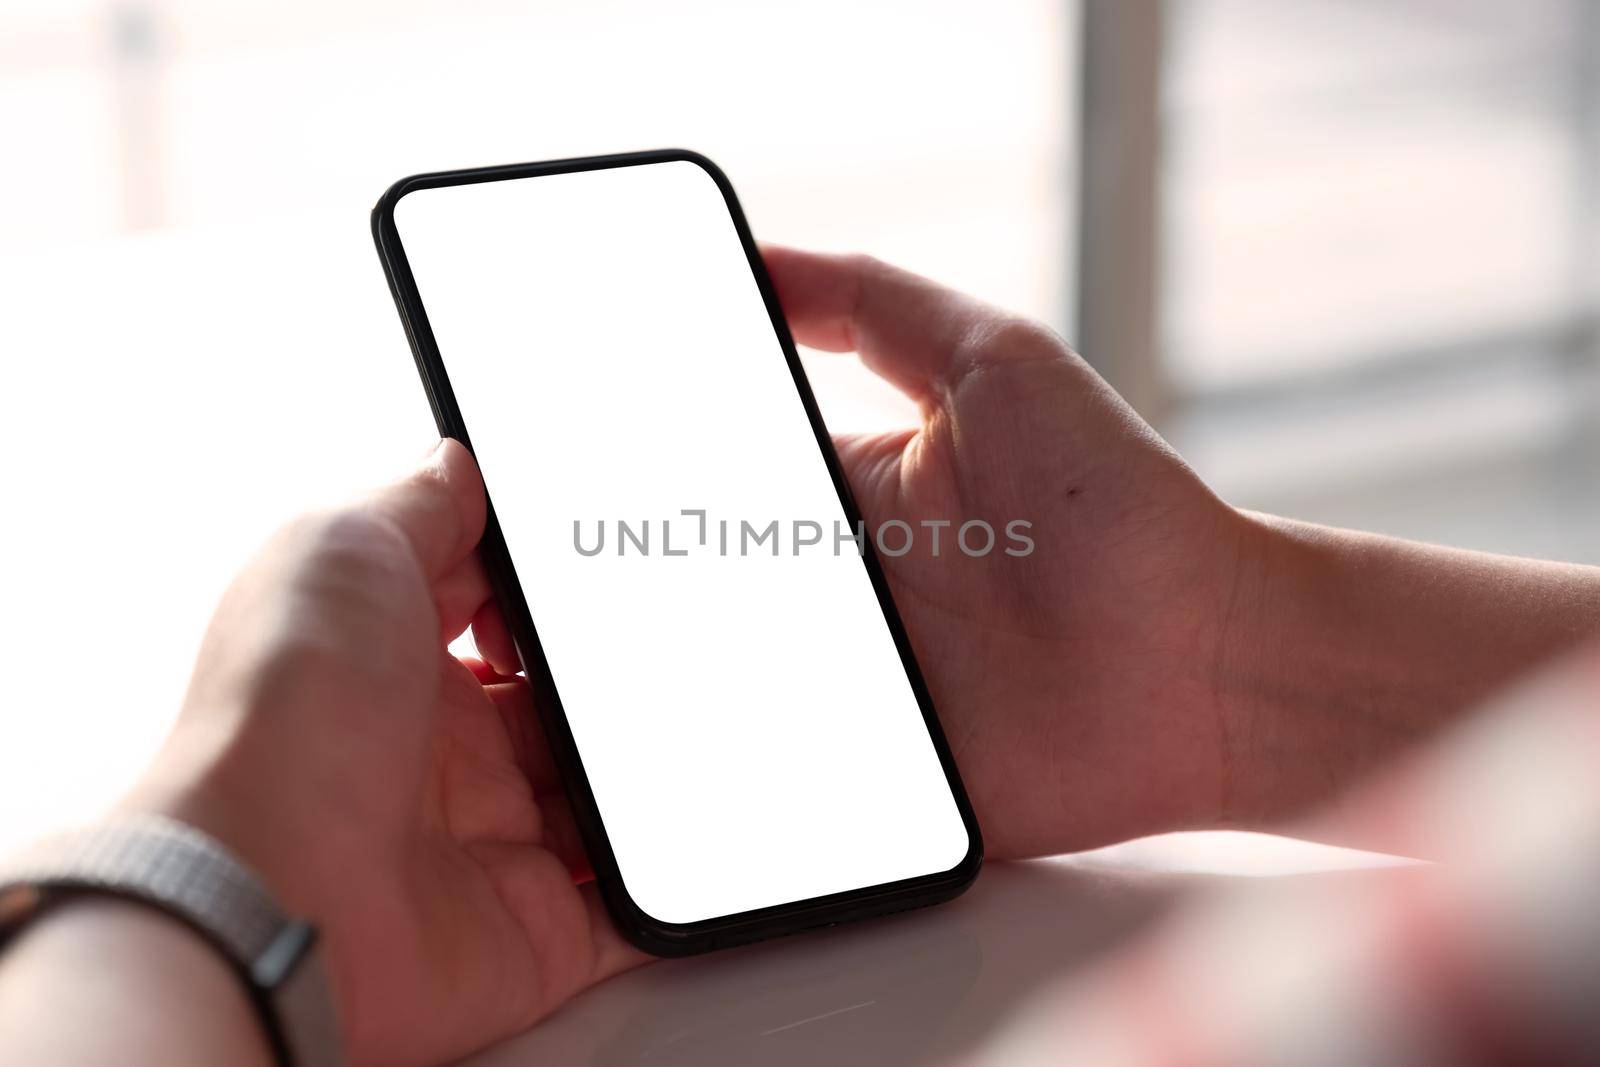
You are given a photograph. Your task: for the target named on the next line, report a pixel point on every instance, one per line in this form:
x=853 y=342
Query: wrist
x=248 y=801
x=277 y=806
x=1292 y=679
x=1340 y=650
x=100 y=980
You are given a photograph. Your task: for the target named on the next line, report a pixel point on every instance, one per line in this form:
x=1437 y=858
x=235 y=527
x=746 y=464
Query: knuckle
x=864 y=263
x=1003 y=355
x=1018 y=337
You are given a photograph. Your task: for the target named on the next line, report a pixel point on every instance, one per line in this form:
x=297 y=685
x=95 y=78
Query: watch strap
x=188 y=875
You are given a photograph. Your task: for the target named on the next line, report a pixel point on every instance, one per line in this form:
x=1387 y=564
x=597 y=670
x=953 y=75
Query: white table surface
x=910 y=988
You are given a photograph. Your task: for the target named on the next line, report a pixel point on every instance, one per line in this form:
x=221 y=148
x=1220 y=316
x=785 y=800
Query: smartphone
x=744 y=737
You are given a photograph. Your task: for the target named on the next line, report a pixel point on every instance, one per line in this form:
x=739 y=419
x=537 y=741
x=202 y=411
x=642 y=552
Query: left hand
x=379 y=786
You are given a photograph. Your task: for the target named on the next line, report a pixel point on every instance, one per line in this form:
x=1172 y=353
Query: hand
x=331 y=740
x=1078 y=685
x=1160 y=661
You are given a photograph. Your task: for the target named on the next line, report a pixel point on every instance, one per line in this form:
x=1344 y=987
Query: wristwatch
x=178 y=870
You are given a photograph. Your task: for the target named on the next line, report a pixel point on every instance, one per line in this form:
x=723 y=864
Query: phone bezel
x=648 y=933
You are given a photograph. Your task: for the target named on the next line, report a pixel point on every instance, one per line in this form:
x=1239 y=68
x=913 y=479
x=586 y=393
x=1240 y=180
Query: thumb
x=439 y=506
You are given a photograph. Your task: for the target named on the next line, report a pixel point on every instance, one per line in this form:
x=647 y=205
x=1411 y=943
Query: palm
x=495 y=930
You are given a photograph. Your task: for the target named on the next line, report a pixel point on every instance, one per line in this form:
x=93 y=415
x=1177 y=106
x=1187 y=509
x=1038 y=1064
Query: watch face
x=17 y=903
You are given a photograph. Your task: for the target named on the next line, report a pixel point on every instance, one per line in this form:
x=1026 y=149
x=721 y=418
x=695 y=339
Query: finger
x=485 y=674
x=513 y=700
x=493 y=638
x=916 y=334
x=439 y=507
x=460 y=595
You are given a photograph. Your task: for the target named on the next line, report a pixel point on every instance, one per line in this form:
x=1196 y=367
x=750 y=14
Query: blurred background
x=1342 y=252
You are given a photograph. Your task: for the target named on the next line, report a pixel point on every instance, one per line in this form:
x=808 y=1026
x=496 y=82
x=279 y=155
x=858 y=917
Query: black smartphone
x=745 y=739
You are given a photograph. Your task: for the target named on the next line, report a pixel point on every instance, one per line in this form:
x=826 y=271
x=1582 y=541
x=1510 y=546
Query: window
x=1373 y=256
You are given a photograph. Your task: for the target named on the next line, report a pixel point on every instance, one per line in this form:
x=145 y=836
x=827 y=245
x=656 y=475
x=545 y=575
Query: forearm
x=1342 y=649
x=105 y=981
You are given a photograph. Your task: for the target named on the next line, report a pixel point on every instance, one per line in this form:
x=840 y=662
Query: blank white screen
x=745 y=722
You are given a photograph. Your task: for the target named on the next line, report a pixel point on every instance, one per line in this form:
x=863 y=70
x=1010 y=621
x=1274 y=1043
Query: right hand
x=1080 y=685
